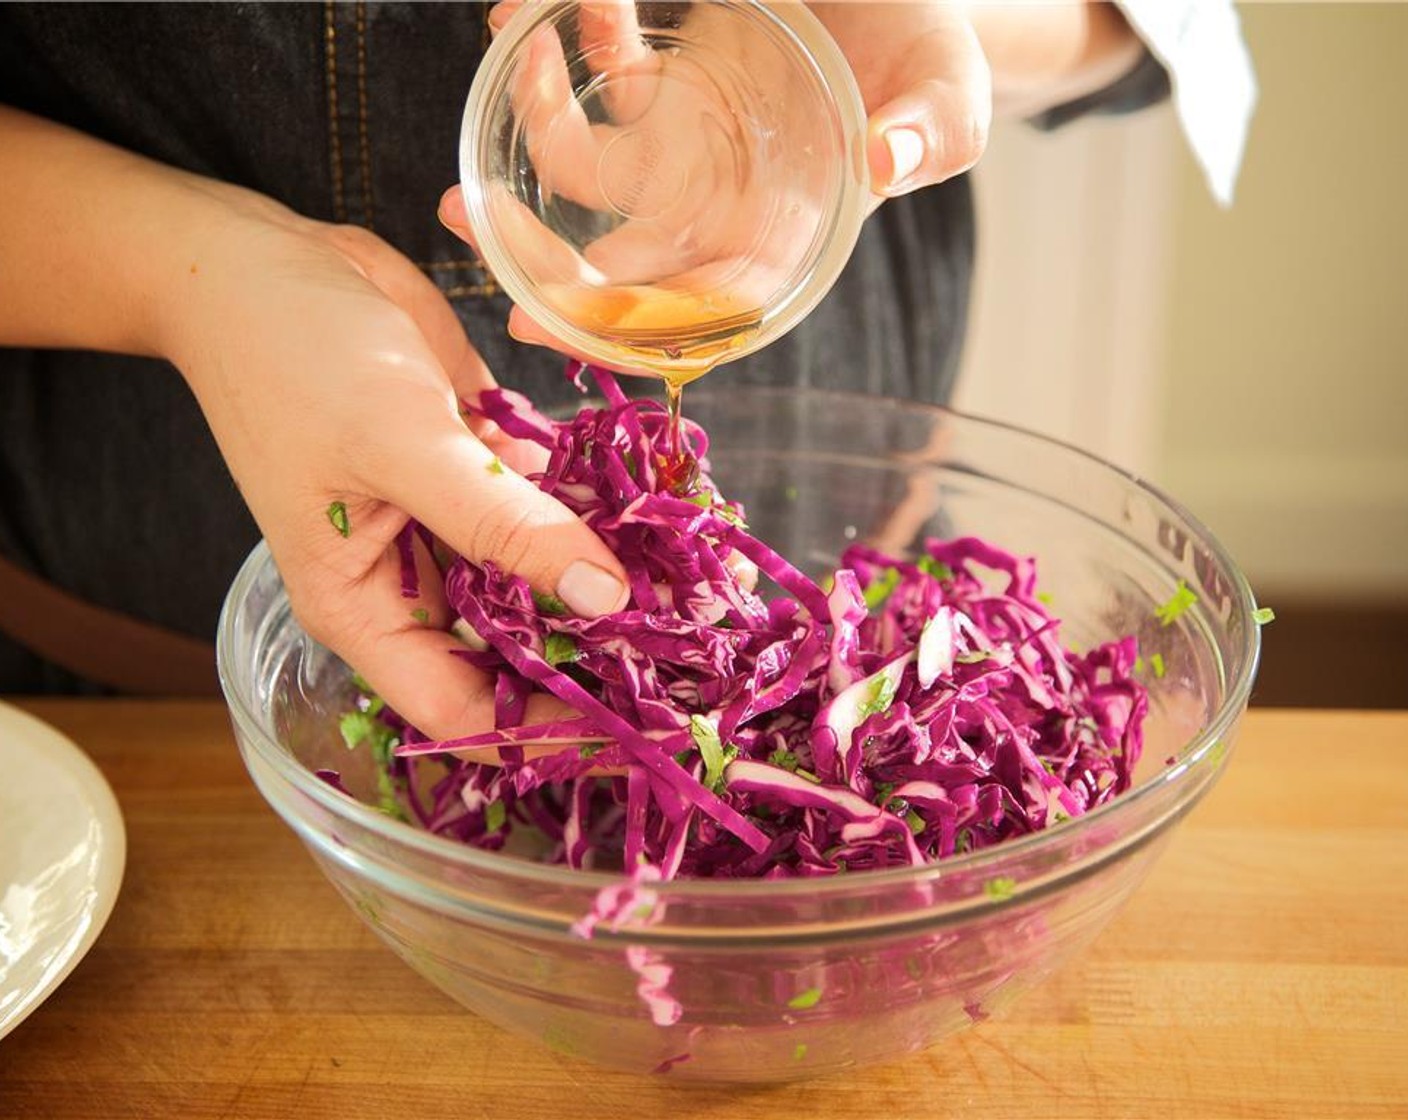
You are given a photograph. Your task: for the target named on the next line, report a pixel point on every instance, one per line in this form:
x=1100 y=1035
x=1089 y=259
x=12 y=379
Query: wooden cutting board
x=1261 y=972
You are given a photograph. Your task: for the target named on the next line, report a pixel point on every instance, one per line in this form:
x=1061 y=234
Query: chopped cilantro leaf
x=706 y=738
x=802 y=1001
x=1168 y=613
x=421 y=615
x=337 y=514
x=707 y=499
x=361 y=684
x=1156 y=662
x=590 y=750
x=549 y=604
x=384 y=741
x=936 y=568
x=882 y=695
x=496 y=465
x=879 y=589
x=1043 y=598
x=560 y=649
x=495 y=816
x=1000 y=888
x=1262 y=615
x=784 y=758
x=387 y=801
x=360 y=727
x=355 y=727
x=799 y=1051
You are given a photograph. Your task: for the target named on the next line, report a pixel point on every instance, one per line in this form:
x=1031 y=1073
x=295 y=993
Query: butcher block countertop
x=1262 y=971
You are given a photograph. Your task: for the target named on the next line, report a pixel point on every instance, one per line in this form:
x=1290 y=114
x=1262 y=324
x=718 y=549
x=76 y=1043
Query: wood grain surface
x=1262 y=971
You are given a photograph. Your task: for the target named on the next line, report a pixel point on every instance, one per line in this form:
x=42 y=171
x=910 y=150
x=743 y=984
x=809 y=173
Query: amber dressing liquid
x=677 y=336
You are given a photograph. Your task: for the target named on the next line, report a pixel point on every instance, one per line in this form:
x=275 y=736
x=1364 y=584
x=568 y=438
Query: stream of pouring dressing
x=677 y=336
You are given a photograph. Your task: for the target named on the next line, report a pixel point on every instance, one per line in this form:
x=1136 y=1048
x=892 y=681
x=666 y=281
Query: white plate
x=62 y=849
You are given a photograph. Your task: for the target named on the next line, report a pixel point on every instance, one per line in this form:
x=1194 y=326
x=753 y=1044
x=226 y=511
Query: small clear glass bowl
x=796 y=978
x=665 y=186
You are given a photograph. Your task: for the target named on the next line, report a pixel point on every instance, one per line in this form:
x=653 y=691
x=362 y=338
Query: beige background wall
x=1253 y=362
x=1285 y=418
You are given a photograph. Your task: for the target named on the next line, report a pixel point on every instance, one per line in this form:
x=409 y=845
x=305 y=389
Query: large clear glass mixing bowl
x=795 y=978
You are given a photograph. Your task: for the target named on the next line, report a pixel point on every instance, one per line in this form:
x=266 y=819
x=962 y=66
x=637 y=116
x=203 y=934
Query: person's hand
x=919 y=65
x=331 y=370
x=925 y=83
x=691 y=213
x=703 y=239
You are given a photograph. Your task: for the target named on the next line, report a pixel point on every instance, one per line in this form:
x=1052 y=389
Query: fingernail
x=590 y=591
x=497 y=18
x=906 y=153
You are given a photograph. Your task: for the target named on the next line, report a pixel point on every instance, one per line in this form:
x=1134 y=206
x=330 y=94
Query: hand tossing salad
x=901 y=711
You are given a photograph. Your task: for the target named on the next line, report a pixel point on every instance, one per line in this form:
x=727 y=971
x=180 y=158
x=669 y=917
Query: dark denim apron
x=111 y=487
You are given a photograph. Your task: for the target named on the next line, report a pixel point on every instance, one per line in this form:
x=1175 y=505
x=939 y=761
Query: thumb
x=936 y=125
x=452 y=483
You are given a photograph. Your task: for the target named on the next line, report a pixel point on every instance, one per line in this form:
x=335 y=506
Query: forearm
x=1044 y=54
x=97 y=244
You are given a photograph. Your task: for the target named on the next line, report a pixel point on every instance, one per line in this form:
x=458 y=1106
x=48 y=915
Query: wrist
x=98 y=241
x=220 y=241
x=1047 y=54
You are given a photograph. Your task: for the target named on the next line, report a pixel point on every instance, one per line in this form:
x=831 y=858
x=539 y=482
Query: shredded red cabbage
x=916 y=709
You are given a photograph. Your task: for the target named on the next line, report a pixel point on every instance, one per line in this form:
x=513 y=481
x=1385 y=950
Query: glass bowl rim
x=985 y=860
